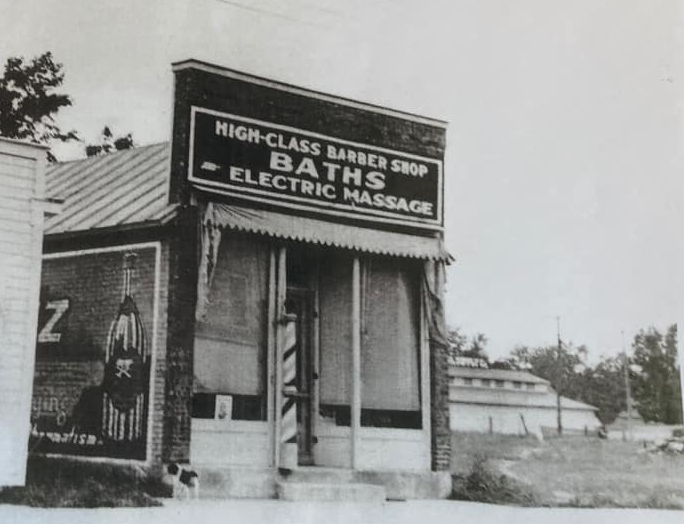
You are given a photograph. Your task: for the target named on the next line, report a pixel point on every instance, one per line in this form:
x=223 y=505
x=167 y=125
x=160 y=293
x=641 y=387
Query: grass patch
x=581 y=472
x=57 y=482
x=483 y=485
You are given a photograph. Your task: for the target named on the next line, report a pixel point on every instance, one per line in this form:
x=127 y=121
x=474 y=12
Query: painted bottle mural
x=124 y=404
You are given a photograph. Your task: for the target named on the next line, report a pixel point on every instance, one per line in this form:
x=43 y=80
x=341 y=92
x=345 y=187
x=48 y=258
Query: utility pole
x=559 y=373
x=628 y=393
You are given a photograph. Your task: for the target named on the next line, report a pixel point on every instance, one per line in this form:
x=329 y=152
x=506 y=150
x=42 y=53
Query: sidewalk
x=279 y=512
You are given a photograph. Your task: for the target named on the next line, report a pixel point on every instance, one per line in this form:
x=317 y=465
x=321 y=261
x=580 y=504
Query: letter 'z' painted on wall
x=58 y=309
x=92 y=379
x=298 y=169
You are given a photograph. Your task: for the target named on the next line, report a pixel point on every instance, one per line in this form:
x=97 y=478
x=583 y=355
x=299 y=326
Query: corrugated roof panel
x=143 y=197
x=76 y=174
x=97 y=187
x=97 y=176
x=107 y=200
x=122 y=188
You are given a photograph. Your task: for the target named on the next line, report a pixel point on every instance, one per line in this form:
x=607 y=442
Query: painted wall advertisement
x=93 y=352
x=291 y=167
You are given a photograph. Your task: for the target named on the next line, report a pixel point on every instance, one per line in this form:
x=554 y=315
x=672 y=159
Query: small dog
x=184 y=481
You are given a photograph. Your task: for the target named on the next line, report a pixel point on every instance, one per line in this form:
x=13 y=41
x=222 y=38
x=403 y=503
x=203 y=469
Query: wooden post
x=315 y=387
x=271 y=361
x=491 y=426
x=355 y=422
x=522 y=419
x=425 y=404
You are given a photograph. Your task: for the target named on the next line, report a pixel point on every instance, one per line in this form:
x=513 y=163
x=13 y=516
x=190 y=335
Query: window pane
x=390 y=339
x=335 y=287
x=230 y=341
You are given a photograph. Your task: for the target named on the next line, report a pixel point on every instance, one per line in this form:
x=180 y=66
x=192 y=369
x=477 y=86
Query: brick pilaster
x=180 y=336
x=439 y=407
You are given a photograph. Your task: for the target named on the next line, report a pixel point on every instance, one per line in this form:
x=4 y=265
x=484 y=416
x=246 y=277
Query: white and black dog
x=184 y=481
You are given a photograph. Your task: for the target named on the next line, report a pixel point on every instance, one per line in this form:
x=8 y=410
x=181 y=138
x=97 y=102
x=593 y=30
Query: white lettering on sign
x=60 y=307
x=471 y=362
x=292 y=167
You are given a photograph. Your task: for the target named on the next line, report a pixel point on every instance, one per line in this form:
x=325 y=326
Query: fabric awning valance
x=325 y=233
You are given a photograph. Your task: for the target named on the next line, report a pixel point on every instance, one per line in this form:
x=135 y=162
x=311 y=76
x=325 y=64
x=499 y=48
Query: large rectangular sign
x=94 y=348
x=291 y=167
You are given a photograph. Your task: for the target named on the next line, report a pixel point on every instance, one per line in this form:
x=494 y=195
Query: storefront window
x=335 y=287
x=390 y=371
x=230 y=340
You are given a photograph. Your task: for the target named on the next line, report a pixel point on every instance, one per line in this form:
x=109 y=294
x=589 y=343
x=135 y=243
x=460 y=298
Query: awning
x=325 y=233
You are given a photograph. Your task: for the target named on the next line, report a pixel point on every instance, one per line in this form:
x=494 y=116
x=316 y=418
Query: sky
x=563 y=187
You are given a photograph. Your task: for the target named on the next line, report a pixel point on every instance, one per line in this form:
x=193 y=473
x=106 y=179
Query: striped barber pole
x=288 y=431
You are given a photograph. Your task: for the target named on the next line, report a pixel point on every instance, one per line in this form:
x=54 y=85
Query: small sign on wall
x=224 y=407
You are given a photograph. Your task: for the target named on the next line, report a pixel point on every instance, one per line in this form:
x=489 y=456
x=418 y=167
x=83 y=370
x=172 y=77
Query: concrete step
x=237 y=482
x=321 y=475
x=330 y=492
x=221 y=482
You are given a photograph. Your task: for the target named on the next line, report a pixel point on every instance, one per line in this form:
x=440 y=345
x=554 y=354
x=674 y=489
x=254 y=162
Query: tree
x=29 y=103
x=657 y=387
x=561 y=365
x=603 y=386
x=109 y=144
x=462 y=345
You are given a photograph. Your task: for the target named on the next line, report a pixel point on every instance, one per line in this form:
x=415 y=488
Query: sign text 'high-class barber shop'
x=299 y=169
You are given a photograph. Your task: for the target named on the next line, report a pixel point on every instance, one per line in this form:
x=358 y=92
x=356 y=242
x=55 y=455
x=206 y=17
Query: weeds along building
x=265 y=291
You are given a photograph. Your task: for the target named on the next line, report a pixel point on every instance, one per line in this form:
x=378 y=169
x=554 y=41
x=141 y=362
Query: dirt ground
x=579 y=471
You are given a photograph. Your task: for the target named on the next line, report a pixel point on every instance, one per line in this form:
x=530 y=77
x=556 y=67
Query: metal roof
x=496 y=374
x=119 y=189
x=513 y=397
x=326 y=233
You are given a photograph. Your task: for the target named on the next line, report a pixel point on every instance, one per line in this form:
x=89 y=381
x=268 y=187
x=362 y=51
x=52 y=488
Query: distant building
x=510 y=402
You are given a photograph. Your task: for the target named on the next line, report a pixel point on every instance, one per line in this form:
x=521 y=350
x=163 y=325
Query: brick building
x=265 y=292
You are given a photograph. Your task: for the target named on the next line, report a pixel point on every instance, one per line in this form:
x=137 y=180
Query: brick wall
x=159 y=372
x=172 y=366
x=67 y=392
x=214 y=91
x=439 y=412
x=182 y=292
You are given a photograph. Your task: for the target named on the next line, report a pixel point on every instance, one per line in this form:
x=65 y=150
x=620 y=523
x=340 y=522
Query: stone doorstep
x=330 y=492
x=321 y=475
x=217 y=482
x=237 y=482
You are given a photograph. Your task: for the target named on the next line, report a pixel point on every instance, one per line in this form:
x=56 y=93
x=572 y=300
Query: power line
x=268 y=12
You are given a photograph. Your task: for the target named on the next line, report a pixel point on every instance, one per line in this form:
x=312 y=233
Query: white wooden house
x=22 y=211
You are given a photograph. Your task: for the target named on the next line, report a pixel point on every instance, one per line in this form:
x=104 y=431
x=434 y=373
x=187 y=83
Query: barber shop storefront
x=297 y=312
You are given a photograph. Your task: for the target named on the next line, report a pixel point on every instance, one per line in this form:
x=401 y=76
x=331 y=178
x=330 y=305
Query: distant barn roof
x=124 y=188
x=496 y=374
